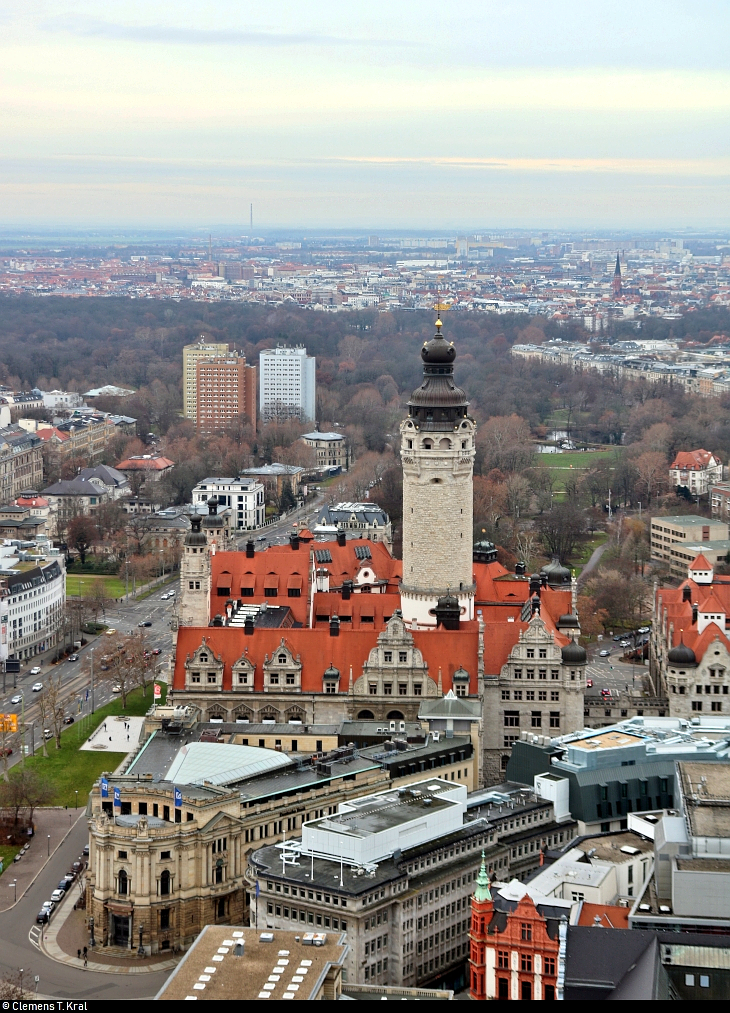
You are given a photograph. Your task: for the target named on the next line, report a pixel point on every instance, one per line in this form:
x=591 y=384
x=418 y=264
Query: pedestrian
x=110 y=738
x=86 y=960
x=78 y=953
x=86 y=950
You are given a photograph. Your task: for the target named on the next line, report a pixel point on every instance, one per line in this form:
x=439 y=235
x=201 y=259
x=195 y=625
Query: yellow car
x=110 y=633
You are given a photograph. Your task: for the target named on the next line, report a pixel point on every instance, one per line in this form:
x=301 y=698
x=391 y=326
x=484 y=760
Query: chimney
x=335 y=626
x=535 y=584
x=520 y=569
x=341 y=538
x=248 y=626
x=543 y=578
x=346 y=590
x=695 y=610
x=294 y=541
x=250 y=549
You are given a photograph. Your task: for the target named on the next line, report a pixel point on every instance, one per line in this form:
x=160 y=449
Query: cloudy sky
x=410 y=114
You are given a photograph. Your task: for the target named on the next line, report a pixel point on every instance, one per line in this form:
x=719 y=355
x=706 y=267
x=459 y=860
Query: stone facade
x=534 y=691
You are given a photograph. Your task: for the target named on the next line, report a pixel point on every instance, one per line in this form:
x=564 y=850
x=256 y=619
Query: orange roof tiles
x=700 y=563
x=693 y=460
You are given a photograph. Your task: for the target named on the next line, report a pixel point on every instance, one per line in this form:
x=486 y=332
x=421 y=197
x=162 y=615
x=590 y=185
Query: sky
x=408 y=115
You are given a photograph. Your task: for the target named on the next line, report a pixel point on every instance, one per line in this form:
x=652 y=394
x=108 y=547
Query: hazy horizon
x=521 y=115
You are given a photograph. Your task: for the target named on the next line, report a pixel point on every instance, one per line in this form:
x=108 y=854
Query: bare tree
x=56 y=701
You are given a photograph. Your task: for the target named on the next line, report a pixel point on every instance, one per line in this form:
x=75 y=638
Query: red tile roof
x=145 y=464
x=693 y=460
x=700 y=563
x=444 y=650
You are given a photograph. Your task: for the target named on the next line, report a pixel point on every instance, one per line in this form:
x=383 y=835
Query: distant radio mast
x=251 y=222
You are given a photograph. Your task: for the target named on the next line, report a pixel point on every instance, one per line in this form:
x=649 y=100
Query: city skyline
x=510 y=115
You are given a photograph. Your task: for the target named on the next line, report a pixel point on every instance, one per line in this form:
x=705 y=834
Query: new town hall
x=312 y=631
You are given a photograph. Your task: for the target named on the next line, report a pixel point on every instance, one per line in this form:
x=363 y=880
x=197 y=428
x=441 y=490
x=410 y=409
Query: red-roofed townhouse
x=695 y=470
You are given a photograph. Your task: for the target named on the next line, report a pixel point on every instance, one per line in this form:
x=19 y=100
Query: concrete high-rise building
x=287 y=383
x=201 y=349
x=225 y=389
x=437 y=451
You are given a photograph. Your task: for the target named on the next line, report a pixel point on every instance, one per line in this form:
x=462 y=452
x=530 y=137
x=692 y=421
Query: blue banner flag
x=117 y=799
x=178 y=798
x=104 y=788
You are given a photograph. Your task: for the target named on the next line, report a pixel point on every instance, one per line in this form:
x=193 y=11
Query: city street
x=75 y=674
x=58 y=980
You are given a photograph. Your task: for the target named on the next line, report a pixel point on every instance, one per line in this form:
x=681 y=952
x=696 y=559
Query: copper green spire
x=482 y=891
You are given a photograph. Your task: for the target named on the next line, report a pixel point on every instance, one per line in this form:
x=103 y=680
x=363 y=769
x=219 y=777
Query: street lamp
x=92 y=941
x=77 y=797
x=15 y=887
x=49 y=845
x=140 y=951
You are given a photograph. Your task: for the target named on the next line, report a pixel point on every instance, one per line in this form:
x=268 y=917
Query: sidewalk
x=68 y=933
x=55 y=823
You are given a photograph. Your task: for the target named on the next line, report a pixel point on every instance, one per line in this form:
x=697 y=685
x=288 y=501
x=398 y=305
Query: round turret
x=195 y=536
x=332 y=672
x=568 y=621
x=437 y=403
x=557 y=575
x=682 y=655
x=574 y=654
x=212 y=520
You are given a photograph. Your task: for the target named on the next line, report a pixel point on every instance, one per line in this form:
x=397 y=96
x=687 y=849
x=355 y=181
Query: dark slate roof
x=611 y=964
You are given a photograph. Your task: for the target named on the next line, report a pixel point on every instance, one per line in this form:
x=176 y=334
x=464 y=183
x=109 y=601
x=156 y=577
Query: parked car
x=36 y=670
x=17 y=698
x=77 y=867
x=589 y=683
x=157 y=650
x=47 y=734
x=64 y=884
x=625 y=643
x=116 y=688
x=86 y=850
x=69 y=720
x=145 y=622
x=58 y=895
x=643 y=629
x=49 y=905
x=604 y=654
x=73 y=657
x=37 y=687
x=617 y=637
x=110 y=632
x=43 y=916
x=605 y=691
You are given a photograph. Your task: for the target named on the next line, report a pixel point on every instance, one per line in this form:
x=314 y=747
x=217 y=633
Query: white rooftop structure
x=221 y=763
x=368 y=830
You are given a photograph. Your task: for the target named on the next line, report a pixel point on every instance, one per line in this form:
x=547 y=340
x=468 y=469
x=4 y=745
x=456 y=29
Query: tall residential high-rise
x=226 y=389
x=437 y=451
x=287 y=383
x=201 y=349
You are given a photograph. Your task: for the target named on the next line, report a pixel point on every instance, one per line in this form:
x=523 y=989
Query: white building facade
x=244 y=497
x=287 y=387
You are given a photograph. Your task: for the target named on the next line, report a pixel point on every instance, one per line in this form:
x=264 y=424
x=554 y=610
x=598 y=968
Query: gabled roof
x=446 y=650
x=451 y=706
x=712 y=604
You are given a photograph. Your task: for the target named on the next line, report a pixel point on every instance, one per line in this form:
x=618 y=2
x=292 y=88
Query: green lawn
x=68 y=767
x=575 y=461
x=7 y=854
x=80 y=584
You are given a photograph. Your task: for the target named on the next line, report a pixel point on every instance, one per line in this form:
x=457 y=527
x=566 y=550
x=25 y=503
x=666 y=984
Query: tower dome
x=557 y=575
x=437 y=403
x=574 y=654
x=682 y=655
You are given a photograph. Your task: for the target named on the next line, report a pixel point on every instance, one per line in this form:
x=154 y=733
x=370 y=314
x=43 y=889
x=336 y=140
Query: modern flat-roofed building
x=226 y=391
x=201 y=349
x=687 y=528
x=244 y=496
x=287 y=383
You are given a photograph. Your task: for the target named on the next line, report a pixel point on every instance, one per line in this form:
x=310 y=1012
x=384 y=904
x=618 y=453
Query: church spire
x=482 y=891
x=616 y=284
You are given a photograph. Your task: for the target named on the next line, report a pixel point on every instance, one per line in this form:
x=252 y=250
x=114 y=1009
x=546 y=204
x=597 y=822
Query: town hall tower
x=437 y=452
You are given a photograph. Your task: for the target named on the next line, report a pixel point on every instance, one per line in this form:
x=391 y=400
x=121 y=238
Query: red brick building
x=226 y=390
x=514 y=946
